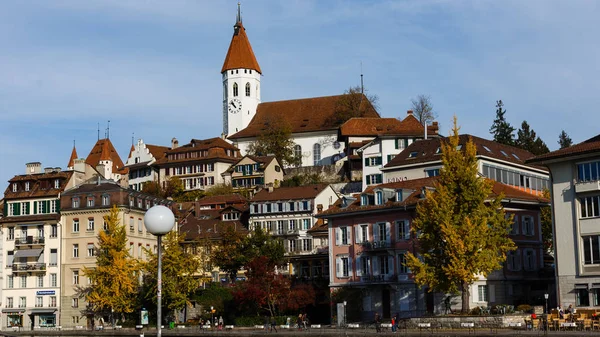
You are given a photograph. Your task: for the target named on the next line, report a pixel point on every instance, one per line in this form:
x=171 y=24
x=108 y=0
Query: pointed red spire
x=73 y=157
x=105 y=154
x=240 y=54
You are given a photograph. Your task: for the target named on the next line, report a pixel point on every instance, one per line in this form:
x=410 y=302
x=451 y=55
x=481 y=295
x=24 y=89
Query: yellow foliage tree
x=462 y=230
x=113 y=284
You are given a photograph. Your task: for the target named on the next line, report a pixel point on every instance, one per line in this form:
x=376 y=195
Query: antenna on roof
x=132 y=137
x=239 y=14
x=108 y=130
x=362 y=86
x=98 y=131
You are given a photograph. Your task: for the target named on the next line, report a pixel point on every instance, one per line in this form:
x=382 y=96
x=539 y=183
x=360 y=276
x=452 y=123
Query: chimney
x=319 y=208
x=409 y=112
x=174 y=143
x=57 y=169
x=270 y=188
x=79 y=165
x=48 y=169
x=33 y=168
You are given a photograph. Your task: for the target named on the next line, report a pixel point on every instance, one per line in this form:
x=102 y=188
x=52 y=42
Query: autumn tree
x=546 y=220
x=462 y=230
x=179 y=270
x=276 y=140
x=564 y=140
x=528 y=140
x=501 y=129
x=423 y=109
x=269 y=291
x=113 y=285
x=355 y=102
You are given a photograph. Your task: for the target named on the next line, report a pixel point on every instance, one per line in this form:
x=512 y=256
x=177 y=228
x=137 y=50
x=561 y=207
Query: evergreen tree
x=501 y=129
x=564 y=140
x=529 y=141
x=179 y=268
x=113 y=284
x=462 y=233
x=539 y=147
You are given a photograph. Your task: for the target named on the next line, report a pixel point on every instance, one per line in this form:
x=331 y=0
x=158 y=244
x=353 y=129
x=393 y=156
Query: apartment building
x=83 y=211
x=289 y=213
x=371 y=234
x=140 y=162
x=575 y=191
x=252 y=172
x=199 y=164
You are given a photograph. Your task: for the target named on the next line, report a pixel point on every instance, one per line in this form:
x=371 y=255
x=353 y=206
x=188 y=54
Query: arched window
x=317 y=154
x=298 y=151
x=248 y=89
x=235 y=90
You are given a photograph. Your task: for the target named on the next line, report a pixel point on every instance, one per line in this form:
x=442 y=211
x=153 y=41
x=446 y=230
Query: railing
x=378 y=278
x=39 y=305
x=30 y=240
x=9 y=306
x=375 y=245
x=28 y=267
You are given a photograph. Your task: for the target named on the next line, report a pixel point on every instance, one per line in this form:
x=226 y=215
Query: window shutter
x=375 y=232
x=28 y=208
x=35 y=203
x=389 y=158
x=17 y=208
x=396 y=143
x=390 y=265
x=338 y=267
x=406 y=230
x=492 y=293
x=349 y=229
x=375 y=265
x=358 y=266
x=388 y=231
x=366 y=161
x=405 y=143
x=358 y=234
x=337 y=236
x=378 y=160
x=368 y=180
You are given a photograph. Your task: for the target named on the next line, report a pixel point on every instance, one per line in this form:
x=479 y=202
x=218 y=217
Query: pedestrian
x=273 y=324
x=377 y=322
x=220 y=322
x=394 y=323
x=299 y=321
x=266 y=323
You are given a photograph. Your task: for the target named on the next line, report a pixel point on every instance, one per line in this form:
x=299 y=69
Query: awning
x=43 y=311
x=28 y=252
x=581 y=286
x=14 y=310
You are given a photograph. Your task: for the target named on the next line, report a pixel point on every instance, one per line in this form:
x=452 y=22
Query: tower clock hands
x=233 y=103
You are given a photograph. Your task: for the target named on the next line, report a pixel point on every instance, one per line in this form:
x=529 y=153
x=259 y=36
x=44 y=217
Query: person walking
x=273 y=324
x=377 y=322
x=299 y=321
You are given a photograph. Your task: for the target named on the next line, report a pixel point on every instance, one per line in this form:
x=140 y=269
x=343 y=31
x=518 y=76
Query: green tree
x=423 y=109
x=501 y=129
x=173 y=188
x=276 y=140
x=179 y=271
x=564 y=140
x=529 y=141
x=113 y=284
x=461 y=231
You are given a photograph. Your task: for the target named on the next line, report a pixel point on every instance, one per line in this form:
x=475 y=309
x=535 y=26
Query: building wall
x=141 y=154
x=239 y=120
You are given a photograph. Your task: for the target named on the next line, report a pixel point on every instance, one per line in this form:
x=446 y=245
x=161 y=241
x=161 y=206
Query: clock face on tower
x=234 y=106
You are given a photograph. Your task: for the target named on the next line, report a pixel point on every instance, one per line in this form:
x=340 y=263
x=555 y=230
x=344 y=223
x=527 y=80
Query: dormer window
x=105 y=200
x=438 y=151
x=56 y=183
x=504 y=153
x=27 y=186
x=413 y=154
x=487 y=149
x=378 y=198
x=14 y=187
x=364 y=200
x=399 y=196
x=131 y=202
x=75 y=202
x=231 y=216
x=458 y=147
x=90 y=201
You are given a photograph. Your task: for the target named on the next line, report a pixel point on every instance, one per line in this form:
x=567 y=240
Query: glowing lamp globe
x=159 y=220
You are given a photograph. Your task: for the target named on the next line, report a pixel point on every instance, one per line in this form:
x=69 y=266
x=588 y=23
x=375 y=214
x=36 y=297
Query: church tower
x=241 y=81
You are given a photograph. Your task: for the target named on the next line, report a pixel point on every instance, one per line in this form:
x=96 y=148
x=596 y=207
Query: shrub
x=525 y=308
x=476 y=311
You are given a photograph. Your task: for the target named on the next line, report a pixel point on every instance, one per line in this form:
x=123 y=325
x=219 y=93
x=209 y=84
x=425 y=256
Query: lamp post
x=345 y=325
x=546 y=315
x=211 y=316
x=159 y=220
x=546 y=297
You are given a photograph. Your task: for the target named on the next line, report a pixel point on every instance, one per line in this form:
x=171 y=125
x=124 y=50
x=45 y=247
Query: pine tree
x=179 y=268
x=564 y=140
x=113 y=284
x=462 y=233
x=501 y=129
x=525 y=137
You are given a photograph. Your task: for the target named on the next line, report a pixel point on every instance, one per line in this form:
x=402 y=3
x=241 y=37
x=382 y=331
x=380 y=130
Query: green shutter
x=47 y=206
x=28 y=208
x=405 y=143
x=57 y=205
x=35 y=207
x=366 y=161
x=378 y=160
x=17 y=208
x=396 y=143
x=44 y=209
x=368 y=180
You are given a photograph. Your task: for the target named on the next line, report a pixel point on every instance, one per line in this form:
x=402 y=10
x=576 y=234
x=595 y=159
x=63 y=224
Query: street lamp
x=211 y=315
x=345 y=313
x=546 y=297
x=159 y=220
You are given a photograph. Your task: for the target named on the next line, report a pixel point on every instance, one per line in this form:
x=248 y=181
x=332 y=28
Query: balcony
x=30 y=241
x=379 y=278
x=285 y=232
x=587 y=186
x=28 y=267
x=375 y=245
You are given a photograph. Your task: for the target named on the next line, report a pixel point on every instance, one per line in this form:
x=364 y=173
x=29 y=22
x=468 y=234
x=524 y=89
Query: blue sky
x=152 y=67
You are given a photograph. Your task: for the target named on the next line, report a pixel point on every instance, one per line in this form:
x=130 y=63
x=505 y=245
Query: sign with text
x=45 y=292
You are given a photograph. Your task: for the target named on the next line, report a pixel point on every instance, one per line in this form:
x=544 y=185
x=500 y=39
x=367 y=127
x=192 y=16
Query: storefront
x=14 y=317
x=43 y=317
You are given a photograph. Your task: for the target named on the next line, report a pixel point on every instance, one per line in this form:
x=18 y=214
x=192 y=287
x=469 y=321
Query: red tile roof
x=215 y=147
x=417 y=185
x=73 y=157
x=409 y=126
x=40 y=185
x=207 y=224
x=290 y=193
x=302 y=115
x=157 y=151
x=589 y=146
x=228 y=199
x=240 y=54
x=104 y=150
x=426 y=151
